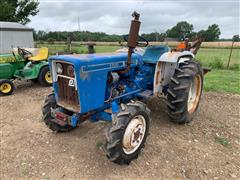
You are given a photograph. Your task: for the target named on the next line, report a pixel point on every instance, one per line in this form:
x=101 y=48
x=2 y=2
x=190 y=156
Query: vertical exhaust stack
x=132 y=38
x=134 y=30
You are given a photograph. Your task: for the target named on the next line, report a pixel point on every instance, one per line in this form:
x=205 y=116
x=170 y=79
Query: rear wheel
x=45 y=77
x=50 y=103
x=184 y=93
x=127 y=134
x=6 y=87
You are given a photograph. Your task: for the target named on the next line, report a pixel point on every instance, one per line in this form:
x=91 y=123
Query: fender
x=7 y=70
x=9 y=64
x=31 y=70
x=174 y=56
x=166 y=66
x=40 y=65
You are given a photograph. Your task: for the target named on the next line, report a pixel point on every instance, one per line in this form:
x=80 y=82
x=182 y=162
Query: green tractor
x=24 y=66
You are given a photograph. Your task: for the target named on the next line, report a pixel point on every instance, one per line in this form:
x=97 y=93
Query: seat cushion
x=42 y=55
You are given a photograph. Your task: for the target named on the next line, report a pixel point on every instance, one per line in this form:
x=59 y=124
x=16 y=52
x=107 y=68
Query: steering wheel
x=24 y=53
x=139 y=43
x=14 y=55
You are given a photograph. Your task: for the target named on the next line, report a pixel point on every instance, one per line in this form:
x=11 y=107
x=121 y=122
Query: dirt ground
x=207 y=148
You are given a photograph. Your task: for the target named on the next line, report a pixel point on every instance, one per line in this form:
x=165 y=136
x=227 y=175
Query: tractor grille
x=67 y=95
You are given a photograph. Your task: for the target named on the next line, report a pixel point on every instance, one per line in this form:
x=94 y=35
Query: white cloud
x=114 y=16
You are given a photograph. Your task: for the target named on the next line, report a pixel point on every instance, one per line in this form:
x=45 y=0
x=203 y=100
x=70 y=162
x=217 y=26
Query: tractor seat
x=153 y=53
x=41 y=56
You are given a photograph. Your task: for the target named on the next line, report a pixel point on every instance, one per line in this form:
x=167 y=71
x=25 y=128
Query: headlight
x=70 y=70
x=59 y=68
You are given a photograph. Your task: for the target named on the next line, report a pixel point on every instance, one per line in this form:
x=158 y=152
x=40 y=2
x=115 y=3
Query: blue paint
x=128 y=94
x=92 y=84
x=74 y=120
x=103 y=116
x=102 y=67
x=153 y=53
x=97 y=92
x=115 y=107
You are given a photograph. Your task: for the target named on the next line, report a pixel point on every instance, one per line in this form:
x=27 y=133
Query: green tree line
x=180 y=31
x=75 y=36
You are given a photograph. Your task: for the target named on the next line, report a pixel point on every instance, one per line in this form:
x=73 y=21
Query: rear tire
x=184 y=92
x=6 y=87
x=123 y=142
x=50 y=103
x=44 y=77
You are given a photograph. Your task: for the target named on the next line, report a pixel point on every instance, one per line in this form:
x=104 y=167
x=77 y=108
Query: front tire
x=127 y=134
x=50 y=103
x=6 y=87
x=45 y=77
x=184 y=92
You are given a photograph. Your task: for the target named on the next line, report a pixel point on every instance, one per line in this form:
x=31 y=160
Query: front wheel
x=45 y=77
x=49 y=104
x=184 y=93
x=6 y=87
x=127 y=134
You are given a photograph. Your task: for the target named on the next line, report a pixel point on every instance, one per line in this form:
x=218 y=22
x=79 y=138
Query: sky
x=114 y=16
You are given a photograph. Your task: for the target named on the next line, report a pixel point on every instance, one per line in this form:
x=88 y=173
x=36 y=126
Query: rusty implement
x=195 y=46
x=186 y=46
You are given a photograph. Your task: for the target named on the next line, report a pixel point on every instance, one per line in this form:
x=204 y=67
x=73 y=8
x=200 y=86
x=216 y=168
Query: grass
x=218 y=79
x=103 y=49
x=222 y=81
x=216 y=58
x=208 y=56
x=223 y=141
x=82 y=49
x=99 y=144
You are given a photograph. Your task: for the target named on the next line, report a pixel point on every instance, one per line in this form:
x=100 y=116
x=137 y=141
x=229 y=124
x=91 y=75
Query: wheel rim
x=5 y=88
x=194 y=93
x=134 y=134
x=48 y=77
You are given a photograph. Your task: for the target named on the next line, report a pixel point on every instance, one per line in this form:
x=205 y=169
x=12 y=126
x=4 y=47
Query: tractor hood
x=94 y=59
x=89 y=83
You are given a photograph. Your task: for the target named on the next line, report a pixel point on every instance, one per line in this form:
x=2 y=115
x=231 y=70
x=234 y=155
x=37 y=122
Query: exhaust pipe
x=132 y=39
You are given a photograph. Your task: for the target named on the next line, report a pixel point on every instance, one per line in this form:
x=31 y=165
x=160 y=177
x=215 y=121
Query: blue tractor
x=113 y=87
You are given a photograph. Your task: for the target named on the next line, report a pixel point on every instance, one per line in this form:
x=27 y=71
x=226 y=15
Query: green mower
x=23 y=66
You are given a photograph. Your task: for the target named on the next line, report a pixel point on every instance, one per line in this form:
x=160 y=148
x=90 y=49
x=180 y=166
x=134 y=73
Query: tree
x=182 y=30
x=18 y=10
x=155 y=36
x=211 y=34
x=51 y=40
x=235 y=38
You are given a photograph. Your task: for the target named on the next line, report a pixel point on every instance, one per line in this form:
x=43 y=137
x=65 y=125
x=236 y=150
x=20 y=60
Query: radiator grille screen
x=67 y=95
